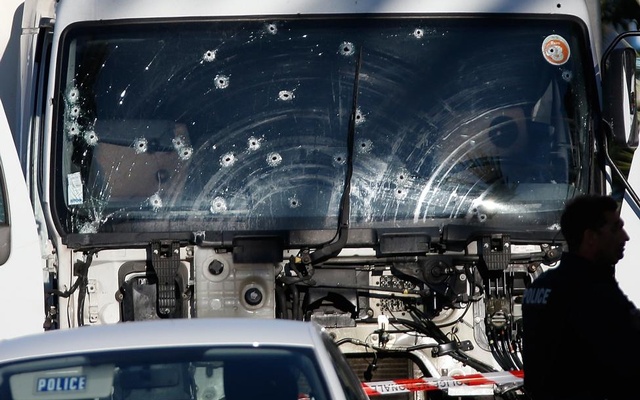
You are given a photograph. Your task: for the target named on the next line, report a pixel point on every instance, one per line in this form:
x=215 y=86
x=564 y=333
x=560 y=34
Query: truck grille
x=388 y=368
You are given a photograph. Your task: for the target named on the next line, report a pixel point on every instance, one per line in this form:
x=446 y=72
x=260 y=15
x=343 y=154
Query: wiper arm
x=338 y=242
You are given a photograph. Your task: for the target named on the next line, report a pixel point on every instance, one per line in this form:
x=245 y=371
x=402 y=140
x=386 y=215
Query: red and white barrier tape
x=447 y=382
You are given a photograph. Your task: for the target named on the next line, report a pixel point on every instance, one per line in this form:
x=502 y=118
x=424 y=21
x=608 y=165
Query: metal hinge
x=165 y=261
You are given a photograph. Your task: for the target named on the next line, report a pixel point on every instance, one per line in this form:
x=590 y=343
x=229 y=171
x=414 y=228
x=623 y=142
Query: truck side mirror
x=619 y=95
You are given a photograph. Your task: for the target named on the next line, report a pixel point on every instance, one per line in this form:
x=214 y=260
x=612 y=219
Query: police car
x=198 y=359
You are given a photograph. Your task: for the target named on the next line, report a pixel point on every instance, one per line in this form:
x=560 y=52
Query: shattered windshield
x=244 y=125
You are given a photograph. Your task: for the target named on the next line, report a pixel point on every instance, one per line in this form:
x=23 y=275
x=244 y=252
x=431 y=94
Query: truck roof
x=70 y=11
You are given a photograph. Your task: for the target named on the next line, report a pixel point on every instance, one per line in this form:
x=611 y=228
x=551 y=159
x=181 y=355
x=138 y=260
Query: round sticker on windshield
x=555 y=50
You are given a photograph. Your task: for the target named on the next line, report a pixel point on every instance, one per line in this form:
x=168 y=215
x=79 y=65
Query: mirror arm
x=612 y=46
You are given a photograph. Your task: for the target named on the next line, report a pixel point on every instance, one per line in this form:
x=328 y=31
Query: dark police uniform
x=581 y=335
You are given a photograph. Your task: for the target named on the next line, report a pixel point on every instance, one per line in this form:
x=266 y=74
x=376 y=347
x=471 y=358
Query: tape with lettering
x=396 y=386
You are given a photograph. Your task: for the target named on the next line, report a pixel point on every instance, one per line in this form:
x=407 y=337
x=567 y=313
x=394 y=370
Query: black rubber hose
x=457 y=355
x=281 y=302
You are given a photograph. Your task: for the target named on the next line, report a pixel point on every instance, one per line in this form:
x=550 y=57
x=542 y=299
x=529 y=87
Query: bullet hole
x=360 y=118
x=400 y=194
x=73 y=95
x=254 y=143
x=294 y=202
x=74 y=112
x=73 y=129
x=209 y=55
x=365 y=146
x=286 y=95
x=221 y=81
x=227 y=160
x=185 y=153
x=91 y=138
x=340 y=159
x=402 y=178
x=218 y=204
x=155 y=201
x=271 y=29
x=274 y=159
x=347 y=49
x=178 y=143
x=567 y=75
x=140 y=145
x=418 y=33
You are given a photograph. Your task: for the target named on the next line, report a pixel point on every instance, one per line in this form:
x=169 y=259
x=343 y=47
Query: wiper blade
x=334 y=247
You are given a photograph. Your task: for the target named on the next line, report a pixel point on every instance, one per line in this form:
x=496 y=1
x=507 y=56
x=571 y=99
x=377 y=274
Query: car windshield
x=245 y=124
x=269 y=373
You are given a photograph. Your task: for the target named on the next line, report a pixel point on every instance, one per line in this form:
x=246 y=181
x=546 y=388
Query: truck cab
x=394 y=171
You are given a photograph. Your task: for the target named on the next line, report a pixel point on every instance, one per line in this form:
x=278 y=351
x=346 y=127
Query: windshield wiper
x=333 y=248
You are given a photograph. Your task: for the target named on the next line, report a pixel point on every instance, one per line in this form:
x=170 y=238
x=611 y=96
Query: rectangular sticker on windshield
x=69 y=383
x=74 y=189
x=62 y=384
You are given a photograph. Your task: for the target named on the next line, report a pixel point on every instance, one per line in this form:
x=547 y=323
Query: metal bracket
x=165 y=261
x=449 y=347
x=495 y=251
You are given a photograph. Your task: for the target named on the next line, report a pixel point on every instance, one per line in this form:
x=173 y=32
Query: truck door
x=21 y=272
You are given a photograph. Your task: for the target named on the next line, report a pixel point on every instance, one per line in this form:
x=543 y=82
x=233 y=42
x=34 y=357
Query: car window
x=182 y=374
x=5 y=230
x=351 y=386
x=3 y=207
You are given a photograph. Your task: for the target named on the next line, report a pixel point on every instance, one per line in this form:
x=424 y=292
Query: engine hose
x=295 y=299
x=440 y=337
x=504 y=355
x=513 y=350
x=281 y=302
x=504 y=341
x=83 y=277
x=497 y=353
x=505 y=347
x=431 y=328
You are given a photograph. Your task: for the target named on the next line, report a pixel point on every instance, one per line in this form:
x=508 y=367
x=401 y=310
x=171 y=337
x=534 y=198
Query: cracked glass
x=244 y=125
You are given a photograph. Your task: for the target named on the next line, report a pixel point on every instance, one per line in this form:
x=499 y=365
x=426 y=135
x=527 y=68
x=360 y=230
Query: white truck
x=393 y=170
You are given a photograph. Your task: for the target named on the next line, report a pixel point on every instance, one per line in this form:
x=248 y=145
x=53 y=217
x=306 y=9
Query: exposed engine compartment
x=444 y=313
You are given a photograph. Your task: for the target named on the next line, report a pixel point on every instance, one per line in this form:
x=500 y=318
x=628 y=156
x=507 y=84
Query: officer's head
x=592 y=227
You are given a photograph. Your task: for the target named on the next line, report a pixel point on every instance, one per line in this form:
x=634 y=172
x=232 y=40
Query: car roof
x=163 y=334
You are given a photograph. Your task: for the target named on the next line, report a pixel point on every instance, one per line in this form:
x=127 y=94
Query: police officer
x=581 y=333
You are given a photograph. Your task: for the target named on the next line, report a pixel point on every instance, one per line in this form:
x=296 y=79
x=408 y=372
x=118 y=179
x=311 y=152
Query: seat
x=248 y=379
x=133 y=160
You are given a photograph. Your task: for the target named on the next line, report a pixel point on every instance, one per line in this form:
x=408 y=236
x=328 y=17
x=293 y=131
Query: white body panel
x=21 y=277
x=102 y=307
